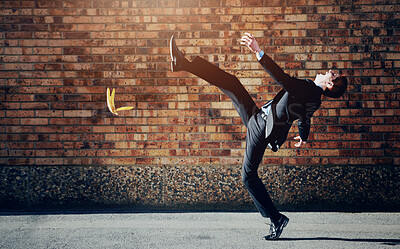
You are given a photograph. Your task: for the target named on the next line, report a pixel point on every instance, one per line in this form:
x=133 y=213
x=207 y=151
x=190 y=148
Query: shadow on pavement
x=391 y=242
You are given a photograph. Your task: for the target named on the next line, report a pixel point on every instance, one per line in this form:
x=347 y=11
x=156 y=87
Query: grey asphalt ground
x=198 y=230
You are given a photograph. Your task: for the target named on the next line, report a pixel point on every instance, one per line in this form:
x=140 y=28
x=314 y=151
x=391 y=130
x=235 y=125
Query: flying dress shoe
x=178 y=58
x=275 y=230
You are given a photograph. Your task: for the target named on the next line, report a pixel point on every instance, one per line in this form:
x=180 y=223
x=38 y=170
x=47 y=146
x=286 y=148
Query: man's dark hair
x=338 y=89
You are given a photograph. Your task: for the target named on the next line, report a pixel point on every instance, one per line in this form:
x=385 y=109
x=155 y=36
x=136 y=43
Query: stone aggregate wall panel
x=103 y=186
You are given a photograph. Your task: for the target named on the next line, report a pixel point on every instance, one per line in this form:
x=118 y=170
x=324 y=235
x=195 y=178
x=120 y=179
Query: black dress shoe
x=178 y=58
x=276 y=229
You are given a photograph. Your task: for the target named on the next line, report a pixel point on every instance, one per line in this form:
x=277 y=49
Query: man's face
x=328 y=77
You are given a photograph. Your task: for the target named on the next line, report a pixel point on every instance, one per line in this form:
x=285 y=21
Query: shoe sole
x=170 y=51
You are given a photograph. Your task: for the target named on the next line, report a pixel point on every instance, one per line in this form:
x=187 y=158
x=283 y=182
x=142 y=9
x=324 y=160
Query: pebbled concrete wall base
x=332 y=188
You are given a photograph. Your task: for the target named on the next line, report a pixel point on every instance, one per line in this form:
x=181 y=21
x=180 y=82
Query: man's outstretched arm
x=290 y=84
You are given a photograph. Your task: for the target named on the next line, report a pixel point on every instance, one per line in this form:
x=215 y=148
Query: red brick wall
x=58 y=57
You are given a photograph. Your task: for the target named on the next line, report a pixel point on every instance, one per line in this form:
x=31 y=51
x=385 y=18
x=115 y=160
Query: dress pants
x=256 y=143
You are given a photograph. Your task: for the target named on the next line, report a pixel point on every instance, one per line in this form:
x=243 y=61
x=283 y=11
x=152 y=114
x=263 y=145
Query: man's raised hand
x=249 y=40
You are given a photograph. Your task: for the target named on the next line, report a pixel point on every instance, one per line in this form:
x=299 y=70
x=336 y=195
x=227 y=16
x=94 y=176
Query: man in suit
x=268 y=126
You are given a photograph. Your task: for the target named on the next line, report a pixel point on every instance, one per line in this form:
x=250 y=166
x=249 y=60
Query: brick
x=78 y=113
x=18 y=19
x=34 y=27
x=295 y=18
x=78 y=19
x=296 y=2
x=20 y=145
x=76 y=35
x=34 y=121
x=51 y=51
x=49 y=161
x=76 y=50
x=47 y=35
x=232 y=3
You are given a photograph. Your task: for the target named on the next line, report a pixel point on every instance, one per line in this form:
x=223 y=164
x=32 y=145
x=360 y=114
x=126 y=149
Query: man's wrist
x=259 y=54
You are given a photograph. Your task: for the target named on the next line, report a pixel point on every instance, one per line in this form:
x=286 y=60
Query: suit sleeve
x=291 y=84
x=304 y=123
x=304 y=129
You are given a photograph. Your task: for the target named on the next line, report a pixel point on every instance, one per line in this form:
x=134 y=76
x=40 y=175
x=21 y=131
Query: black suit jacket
x=298 y=100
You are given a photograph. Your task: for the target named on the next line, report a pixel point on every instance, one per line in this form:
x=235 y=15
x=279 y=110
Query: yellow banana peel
x=111 y=104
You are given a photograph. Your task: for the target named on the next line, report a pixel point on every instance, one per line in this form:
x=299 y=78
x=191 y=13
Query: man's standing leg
x=256 y=143
x=255 y=148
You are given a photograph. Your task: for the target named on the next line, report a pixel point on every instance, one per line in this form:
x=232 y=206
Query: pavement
x=197 y=230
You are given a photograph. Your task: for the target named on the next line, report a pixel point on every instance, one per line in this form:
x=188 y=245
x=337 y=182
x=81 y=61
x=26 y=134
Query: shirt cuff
x=260 y=55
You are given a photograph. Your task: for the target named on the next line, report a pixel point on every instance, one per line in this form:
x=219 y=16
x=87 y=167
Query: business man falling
x=268 y=126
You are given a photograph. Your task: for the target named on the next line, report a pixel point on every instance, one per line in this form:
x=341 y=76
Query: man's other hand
x=300 y=143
